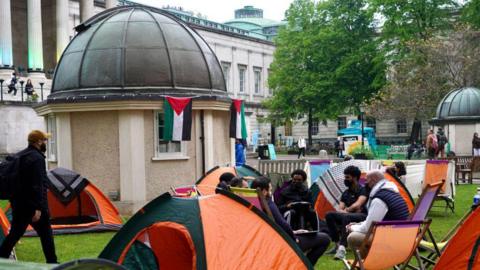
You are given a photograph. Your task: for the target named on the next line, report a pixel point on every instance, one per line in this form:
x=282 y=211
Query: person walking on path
x=476 y=145
x=29 y=202
x=12 y=86
x=302 y=145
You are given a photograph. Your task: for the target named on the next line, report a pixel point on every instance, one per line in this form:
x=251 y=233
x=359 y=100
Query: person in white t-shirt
x=302 y=145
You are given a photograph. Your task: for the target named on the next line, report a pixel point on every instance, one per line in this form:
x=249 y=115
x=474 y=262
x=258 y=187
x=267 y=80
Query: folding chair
x=185 y=191
x=390 y=244
x=433 y=254
x=254 y=197
x=436 y=170
x=420 y=212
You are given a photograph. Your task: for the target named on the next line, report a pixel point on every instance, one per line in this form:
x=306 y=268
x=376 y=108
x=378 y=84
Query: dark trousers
x=301 y=151
x=337 y=222
x=21 y=218
x=314 y=244
x=431 y=153
x=12 y=88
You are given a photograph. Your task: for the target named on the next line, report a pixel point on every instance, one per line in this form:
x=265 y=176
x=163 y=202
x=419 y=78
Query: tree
x=401 y=22
x=438 y=65
x=327 y=60
x=470 y=13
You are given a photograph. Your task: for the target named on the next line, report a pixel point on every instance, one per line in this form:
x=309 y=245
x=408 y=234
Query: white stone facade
x=245 y=60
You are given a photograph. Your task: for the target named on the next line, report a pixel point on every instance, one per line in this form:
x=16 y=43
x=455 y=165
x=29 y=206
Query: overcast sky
x=223 y=10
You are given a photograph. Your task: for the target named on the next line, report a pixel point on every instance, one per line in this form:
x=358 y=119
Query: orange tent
x=207 y=184
x=220 y=231
x=463 y=249
x=84 y=208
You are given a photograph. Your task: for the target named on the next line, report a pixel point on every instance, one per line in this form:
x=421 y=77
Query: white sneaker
x=341 y=253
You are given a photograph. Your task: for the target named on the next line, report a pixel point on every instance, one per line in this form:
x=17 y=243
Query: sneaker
x=332 y=251
x=341 y=253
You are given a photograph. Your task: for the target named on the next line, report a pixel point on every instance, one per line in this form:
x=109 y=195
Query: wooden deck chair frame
x=435 y=188
x=358 y=262
x=432 y=256
x=449 y=200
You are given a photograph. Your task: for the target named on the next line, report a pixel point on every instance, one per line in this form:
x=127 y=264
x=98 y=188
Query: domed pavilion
x=106 y=105
x=459 y=115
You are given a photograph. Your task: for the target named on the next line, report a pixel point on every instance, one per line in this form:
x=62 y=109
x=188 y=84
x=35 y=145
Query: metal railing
x=39 y=92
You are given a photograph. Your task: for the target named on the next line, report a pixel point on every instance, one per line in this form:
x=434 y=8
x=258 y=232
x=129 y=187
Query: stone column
x=35 y=47
x=133 y=191
x=111 y=3
x=86 y=10
x=209 y=143
x=62 y=26
x=64 y=141
x=6 y=59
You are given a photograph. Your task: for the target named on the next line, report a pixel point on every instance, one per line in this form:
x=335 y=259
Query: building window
x=52 y=142
x=314 y=127
x=401 y=126
x=257 y=72
x=372 y=122
x=342 y=122
x=226 y=74
x=288 y=128
x=242 y=72
x=162 y=147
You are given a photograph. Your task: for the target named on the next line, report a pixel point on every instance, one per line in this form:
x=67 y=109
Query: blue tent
x=355 y=128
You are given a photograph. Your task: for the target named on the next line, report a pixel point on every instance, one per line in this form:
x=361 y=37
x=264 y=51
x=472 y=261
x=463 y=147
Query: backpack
x=442 y=140
x=434 y=142
x=9 y=176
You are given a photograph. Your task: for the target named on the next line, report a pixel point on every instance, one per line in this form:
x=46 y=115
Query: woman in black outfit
x=29 y=88
x=316 y=243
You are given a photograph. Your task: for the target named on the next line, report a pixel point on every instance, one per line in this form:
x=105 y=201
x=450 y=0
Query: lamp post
x=41 y=90
x=362 y=112
x=21 y=87
x=1 y=89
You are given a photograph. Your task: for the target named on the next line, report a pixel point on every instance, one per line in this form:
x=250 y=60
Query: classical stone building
x=243 y=46
x=107 y=108
x=459 y=115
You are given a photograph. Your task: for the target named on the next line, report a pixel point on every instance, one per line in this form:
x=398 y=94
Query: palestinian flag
x=178 y=119
x=238 y=127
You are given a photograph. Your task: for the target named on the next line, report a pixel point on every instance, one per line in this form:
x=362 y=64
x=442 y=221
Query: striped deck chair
x=389 y=244
x=254 y=197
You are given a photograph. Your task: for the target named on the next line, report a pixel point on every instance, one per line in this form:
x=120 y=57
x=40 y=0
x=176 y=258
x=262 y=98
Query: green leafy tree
x=327 y=60
x=401 y=22
x=470 y=13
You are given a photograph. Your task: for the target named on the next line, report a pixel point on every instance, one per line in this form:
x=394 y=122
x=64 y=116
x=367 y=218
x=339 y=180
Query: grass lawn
x=90 y=245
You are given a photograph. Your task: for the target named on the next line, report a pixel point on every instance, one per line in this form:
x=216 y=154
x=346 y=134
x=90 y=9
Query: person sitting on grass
x=384 y=203
x=314 y=244
x=239 y=182
x=351 y=209
x=297 y=192
x=398 y=170
x=225 y=179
